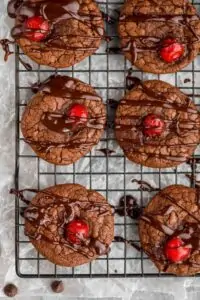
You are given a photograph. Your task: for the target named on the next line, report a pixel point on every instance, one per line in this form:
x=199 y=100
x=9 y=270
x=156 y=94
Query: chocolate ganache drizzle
x=188 y=231
x=58 y=210
x=153 y=43
x=59 y=121
x=178 y=126
x=56 y=13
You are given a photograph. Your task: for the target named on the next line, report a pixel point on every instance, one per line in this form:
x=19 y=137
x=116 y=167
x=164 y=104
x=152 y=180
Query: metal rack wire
x=96 y=170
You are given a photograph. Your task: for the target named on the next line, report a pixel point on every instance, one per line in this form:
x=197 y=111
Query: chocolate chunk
x=57 y=286
x=128 y=206
x=10 y=290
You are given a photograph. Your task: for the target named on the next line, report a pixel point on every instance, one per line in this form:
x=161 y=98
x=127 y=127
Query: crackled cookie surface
x=157 y=125
x=159 y=36
x=57 y=33
x=64 y=120
x=170 y=230
x=69 y=224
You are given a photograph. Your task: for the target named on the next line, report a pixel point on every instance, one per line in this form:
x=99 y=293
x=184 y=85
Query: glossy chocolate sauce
x=62 y=123
x=179 y=126
x=63 y=87
x=59 y=121
x=43 y=214
x=138 y=44
x=57 y=13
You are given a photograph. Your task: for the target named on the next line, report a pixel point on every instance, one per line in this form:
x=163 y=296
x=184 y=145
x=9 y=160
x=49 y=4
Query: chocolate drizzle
x=56 y=13
x=56 y=211
x=27 y=66
x=132 y=243
x=59 y=121
x=144 y=185
x=63 y=87
x=178 y=125
x=188 y=231
x=5 y=46
x=142 y=43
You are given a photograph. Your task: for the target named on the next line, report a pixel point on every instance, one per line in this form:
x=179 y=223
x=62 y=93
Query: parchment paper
x=151 y=289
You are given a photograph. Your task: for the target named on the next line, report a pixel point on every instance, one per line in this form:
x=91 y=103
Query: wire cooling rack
x=111 y=175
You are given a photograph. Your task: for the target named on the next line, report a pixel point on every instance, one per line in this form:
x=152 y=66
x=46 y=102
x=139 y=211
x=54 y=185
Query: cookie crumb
x=57 y=286
x=10 y=290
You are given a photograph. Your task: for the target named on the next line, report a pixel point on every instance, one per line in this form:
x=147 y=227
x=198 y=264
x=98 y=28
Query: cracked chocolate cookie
x=159 y=37
x=157 y=125
x=57 y=33
x=69 y=224
x=64 y=120
x=169 y=230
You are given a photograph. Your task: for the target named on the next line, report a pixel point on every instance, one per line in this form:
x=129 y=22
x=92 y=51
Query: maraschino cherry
x=153 y=125
x=176 y=251
x=36 y=28
x=171 y=50
x=76 y=231
x=78 y=112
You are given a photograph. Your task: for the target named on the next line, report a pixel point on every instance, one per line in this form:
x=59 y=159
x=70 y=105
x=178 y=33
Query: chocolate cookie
x=170 y=230
x=57 y=33
x=69 y=224
x=64 y=120
x=159 y=37
x=157 y=125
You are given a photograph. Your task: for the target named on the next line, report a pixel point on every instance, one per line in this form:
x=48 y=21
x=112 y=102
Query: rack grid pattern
x=110 y=176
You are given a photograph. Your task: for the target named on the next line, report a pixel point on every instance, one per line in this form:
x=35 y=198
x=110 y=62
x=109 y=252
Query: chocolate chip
x=10 y=290
x=57 y=286
x=132 y=208
x=186 y=80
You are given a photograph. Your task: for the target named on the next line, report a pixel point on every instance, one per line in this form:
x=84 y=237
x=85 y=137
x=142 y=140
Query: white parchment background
x=136 y=289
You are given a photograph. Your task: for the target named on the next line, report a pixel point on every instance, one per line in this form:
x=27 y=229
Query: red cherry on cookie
x=175 y=251
x=171 y=50
x=37 y=28
x=79 y=112
x=153 y=125
x=76 y=231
